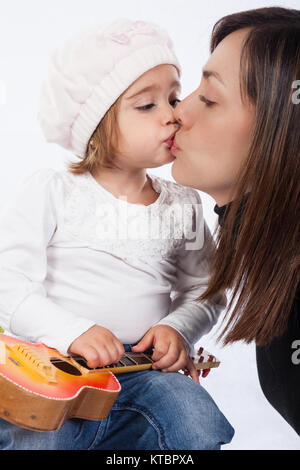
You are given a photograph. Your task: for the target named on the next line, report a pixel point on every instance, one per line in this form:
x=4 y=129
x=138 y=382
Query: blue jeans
x=154 y=410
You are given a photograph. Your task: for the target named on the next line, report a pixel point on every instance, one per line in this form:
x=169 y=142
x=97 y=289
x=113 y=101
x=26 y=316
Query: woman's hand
x=99 y=346
x=170 y=354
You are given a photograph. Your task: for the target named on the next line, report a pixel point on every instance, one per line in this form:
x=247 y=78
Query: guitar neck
x=135 y=361
x=129 y=362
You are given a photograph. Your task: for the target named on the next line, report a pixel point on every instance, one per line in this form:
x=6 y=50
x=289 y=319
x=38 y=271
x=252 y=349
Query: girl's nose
x=169 y=115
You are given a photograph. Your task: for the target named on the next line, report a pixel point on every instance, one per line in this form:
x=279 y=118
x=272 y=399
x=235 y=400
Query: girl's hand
x=99 y=346
x=170 y=354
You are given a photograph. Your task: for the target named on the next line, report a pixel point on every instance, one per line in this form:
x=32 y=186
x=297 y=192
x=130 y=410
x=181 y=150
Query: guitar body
x=37 y=395
x=40 y=388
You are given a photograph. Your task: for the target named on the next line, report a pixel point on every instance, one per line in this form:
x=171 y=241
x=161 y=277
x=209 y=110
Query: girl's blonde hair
x=102 y=146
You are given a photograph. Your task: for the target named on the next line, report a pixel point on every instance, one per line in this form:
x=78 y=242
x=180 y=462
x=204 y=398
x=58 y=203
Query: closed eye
x=146 y=107
x=149 y=106
x=206 y=101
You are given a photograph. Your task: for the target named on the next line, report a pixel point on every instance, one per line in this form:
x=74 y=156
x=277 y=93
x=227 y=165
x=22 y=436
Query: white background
x=29 y=31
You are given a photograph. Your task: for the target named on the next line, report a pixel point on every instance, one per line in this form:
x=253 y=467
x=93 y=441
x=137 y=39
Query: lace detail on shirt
x=129 y=231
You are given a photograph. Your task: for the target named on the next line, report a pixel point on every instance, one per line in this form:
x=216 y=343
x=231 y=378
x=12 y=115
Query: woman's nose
x=184 y=111
x=177 y=114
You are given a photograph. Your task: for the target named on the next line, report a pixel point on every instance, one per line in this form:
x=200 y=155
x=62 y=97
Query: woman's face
x=214 y=138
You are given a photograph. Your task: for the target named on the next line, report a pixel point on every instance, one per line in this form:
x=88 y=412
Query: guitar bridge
x=22 y=355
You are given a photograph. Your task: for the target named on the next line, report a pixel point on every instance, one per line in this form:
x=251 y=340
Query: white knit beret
x=90 y=71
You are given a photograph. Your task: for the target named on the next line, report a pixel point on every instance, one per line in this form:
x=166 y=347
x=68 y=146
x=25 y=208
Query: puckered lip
x=171 y=137
x=175 y=145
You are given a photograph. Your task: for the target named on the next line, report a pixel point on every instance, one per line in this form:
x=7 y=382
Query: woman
x=240 y=142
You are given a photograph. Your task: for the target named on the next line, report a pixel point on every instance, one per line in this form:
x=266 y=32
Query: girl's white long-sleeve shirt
x=72 y=255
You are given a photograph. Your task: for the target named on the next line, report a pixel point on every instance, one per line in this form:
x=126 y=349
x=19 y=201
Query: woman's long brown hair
x=258 y=245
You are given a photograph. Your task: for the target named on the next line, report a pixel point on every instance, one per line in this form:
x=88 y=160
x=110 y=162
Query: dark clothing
x=278 y=363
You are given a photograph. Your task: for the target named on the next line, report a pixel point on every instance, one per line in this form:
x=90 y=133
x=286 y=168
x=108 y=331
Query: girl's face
x=146 y=119
x=216 y=125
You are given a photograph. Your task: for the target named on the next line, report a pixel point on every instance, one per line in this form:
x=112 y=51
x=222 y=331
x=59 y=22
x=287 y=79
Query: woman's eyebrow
x=210 y=73
x=155 y=86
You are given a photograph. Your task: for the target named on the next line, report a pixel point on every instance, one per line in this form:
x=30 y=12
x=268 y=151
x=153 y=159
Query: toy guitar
x=40 y=388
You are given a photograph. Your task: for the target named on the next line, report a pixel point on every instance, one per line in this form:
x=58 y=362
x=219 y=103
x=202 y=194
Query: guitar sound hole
x=64 y=366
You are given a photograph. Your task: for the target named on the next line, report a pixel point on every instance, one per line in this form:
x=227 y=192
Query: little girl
x=98 y=258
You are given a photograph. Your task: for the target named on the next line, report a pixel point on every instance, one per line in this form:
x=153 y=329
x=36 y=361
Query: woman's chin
x=176 y=174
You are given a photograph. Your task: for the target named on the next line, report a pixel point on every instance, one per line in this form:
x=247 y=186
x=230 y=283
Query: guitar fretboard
x=130 y=360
